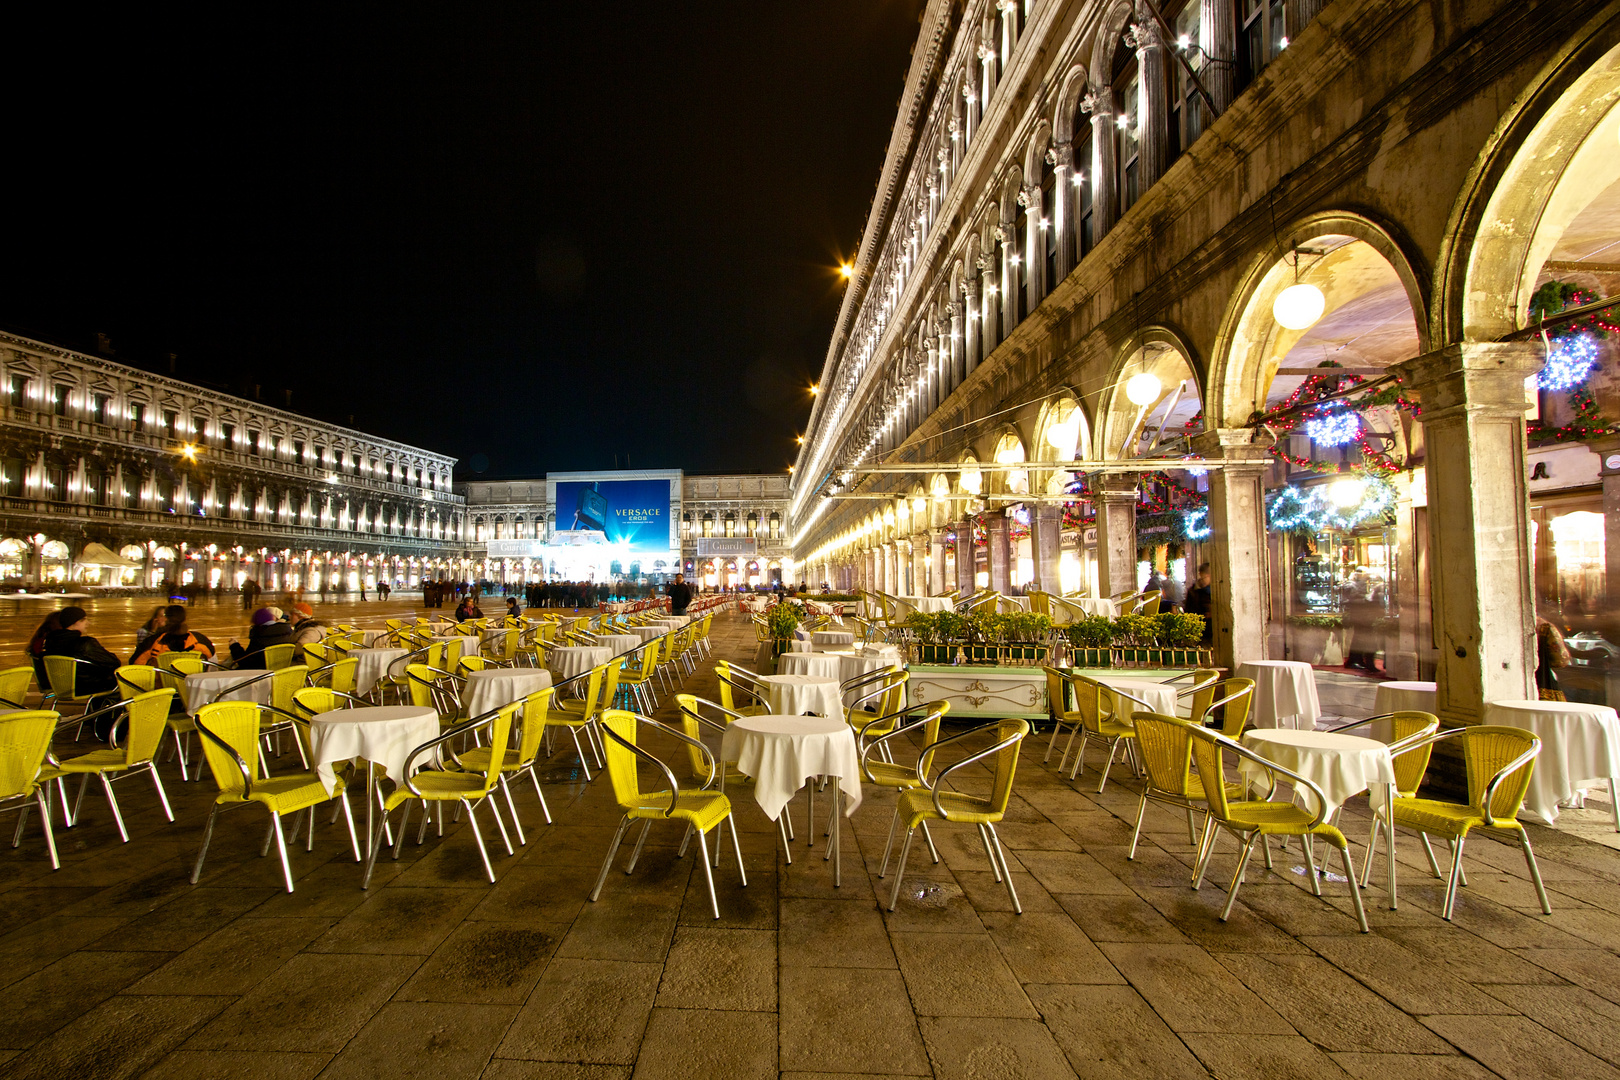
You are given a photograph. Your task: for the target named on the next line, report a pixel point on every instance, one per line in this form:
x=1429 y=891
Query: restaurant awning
x=100 y=555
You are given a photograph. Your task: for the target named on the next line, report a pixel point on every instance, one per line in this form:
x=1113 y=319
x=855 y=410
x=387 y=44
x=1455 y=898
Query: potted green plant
x=1316 y=638
x=1091 y=641
x=1137 y=639
x=781 y=621
x=1027 y=638
x=1182 y=636
x=985 y=630
x=924 y=626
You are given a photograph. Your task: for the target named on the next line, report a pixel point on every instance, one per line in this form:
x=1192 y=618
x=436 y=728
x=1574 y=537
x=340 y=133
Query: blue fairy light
x=1569 y=362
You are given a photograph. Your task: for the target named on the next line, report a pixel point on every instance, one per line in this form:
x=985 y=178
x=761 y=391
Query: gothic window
x=1186 y=115
x=1018 y=240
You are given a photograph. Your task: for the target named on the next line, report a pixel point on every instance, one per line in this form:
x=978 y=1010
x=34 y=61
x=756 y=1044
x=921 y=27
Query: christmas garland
x=1572 y=358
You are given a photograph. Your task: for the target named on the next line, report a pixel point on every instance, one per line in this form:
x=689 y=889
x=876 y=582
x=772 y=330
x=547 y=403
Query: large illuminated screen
x=633 y=513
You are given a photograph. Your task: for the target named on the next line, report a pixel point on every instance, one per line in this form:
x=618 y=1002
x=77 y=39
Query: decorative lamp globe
x=1347 y=492
x=1143 y=389
x=1298 y=306
x=1063 y=436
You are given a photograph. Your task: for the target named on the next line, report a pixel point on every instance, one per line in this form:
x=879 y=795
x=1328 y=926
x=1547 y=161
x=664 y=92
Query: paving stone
x=398 y=920
x=54 y=996
x=1411 y=1067
x=1008 y=1048
x=1072 y=872
x=958 y=975
x=1198 y=916
x=1519 y=1049
x=419 y=1038
x=848 y=1020
x=496 y=963
x=42 y=942
x=237 y=1065
x=1467 y=956
x=932 y=905
x=585 y=1011
x=537 y=894
x=1585 y=1019
x=1191 y=991
x=1110 y=1033
x=1401 y=977
x=184 y=920
x=313 y=1003
x=833 y=933
x=1261 y=1057
x=235 y=959
x=513 y=1069
x=1125 y=917
x=1049 y=948
x=121 y=1037
x=712 y=968
x=1328 y=1007
x=700 y=1044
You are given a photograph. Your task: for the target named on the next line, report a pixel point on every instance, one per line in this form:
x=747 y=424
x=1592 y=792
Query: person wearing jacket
x=173 y=636
x=267 y=630
x=70 y=639
x=306 y=628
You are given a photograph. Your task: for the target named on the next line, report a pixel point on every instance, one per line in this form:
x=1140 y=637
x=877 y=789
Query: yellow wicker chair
x=1234 y=697
x=1252 y=820
x=737 y=682
x=707 y=769
x=1407 y=730
x=14 y=686
x=1499 y=760
x=147 y=719
x=579 y=713
x=1094 y=705
x=1165 y=746
x=25 y=740
x=701 y=809
x=230 y=738
x=933 y=802
x=63 y=672
x=637 y=673
x=532 y=726
x=469 y=787
x=342 y=676
x=502 y=649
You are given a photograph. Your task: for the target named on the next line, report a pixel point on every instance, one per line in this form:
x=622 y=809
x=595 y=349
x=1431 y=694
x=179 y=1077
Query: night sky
x=540 y=237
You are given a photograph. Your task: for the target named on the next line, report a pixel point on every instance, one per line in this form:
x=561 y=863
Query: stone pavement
x=115 y=966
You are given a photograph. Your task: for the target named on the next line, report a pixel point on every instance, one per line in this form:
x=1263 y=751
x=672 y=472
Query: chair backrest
x=1234 y=698
x=1040 y=603
x=186 y=663
x=692 y=723
x=345 y=675
x=536 y=707
x=136 y=679
x=500 y=738
x=319 y=653
x=25 y=738
x=648 y=655
x=1412 y=764
x=285 y=682
x=62 y=672
x=277 y=657
x=1006 y=767
x=423 y=680
x=1151 y=605
x=470 y=663
x=610 y=683
x=1487 y=750
x=314 y=700
x=1091 y=698
x=14 y=684
x=1057 y=699
x=621 y=763
x=884 y=695
x=722 y=671
x=230 y=739
x=148 y=719
x=1206 y=752
x=1165 y=747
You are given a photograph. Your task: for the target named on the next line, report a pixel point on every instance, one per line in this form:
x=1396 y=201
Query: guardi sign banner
x=632 y=513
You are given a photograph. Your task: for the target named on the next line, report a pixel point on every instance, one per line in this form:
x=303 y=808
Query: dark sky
x=545 y=234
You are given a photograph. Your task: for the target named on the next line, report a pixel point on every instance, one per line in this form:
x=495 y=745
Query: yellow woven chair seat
x=704 y=809
x=446 y=786
x=93 y=762
x=568 y=714
x=1279 y=819
x=283 y=794
x=885 y=774
x=918 y=806
x=1444 y=818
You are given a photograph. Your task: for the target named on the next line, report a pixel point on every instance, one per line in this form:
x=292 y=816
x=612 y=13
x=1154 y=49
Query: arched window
x=1084 y=234
x=1127 y=87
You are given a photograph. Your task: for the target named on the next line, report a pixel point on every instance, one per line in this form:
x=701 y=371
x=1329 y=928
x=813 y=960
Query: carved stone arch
x=1067 y=113
x=1234 y=385
x=1007 y=440
x=1159 y=350
x=1035 y=152
x=1117 y=17
x=1010 y=186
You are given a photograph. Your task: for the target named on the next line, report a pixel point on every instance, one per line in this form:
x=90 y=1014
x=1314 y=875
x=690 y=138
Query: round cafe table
x=832 y=639
x=493 y=687
x=792 y=695
x=1341 y=766
x=207 y=687
x=383 y=735
x=619 y=643
x=373 y=664
x=566 y=661
x=1284 y=693
x=817 y=665
x=647 y=633
x=1403 y=697
x=1578 y=742
x=926 y=603
x=1160 y=697
x=781 y=753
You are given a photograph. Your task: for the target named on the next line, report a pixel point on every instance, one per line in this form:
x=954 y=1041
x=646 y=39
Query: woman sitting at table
x=172 y=636
x=467 y=609
x=267 y=630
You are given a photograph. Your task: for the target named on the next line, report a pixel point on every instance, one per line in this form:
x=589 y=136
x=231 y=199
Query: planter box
x=1090 y=658
x=936 y=654
x=1163 y=658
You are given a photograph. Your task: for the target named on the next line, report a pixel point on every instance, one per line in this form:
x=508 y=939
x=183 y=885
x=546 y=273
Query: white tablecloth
x=923 y=603
x=1578 y=742
x=494 y=687
x=1161 y=697
x=373 y=663
x=1404 y=697
x=889 y=652
x=832 y=639
x=566 y=661
x=670 y=622
x=782 y=752
x=207 y=687
x=457 y=649
x=370 y=638
x=385 y=736
x=1093 y=605
x=816 y=665
x=619 y=643
x=1341 y=765
x=647 y=633
x=791 y=695
x=1284 y=693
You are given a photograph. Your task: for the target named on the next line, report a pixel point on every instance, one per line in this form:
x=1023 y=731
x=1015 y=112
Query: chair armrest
x=939 y=777
x=247 y=774
x=674 y=788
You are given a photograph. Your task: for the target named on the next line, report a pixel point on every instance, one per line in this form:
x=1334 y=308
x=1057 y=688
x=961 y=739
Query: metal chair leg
x=512 y=806
x=1355 y=893
x=281 y=849
x=640 y=842
x=544 y=809
x=900 y=872
x=708 y=874
x=1237 y=876
x=478 y=838
x=45 y=825
x=112 y=804
x=1451 y=884
x=1006 y=871
x=1535 y=872
x=607 y=863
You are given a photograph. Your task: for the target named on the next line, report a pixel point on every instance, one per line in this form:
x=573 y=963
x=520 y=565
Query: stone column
x=1033 y=243
x=1479 y=521
x=990 y=335
x=1007 y=232
x=964 y=556
x=1608 y=452
x=1046 y=544
x=936 y=550
x=1401 y=647
x=1115 y=499
x=1000 y=554
x=932 y=369
x=1217 y=36
x=1061 y=158
x=1237 y=520
x=919 y=565
x=972 y=325
x=891 y=569
x=1153 y=114
x=1104 y=199
x=951 y=376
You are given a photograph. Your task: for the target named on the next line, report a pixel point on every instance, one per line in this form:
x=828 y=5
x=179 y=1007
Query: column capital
x=1099 y=103
x=1481 y=376
x=1114 y=487
x=1143 y=36
x=1060 y=155
x=1234 y=445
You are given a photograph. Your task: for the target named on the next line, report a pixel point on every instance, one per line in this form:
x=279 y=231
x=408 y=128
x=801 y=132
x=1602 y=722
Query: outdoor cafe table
x=842 y=666
x=373 y=664
x=493 y=687
x=1284 y=693
x=566 y=661
x=1341 y=766
x=457 y=647
x=1161 y=698
x=381 y=735
x=1578 y=742
x=832 y=639
x=207 y=687
x=647 y=633
x=1411 y=696
x=791 y=695
x=782 y=752
x=927 y=603
x=620 y=643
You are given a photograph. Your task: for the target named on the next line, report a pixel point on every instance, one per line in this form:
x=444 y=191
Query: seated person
x=173 y=636
x=268 y=629
x=70 y=639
